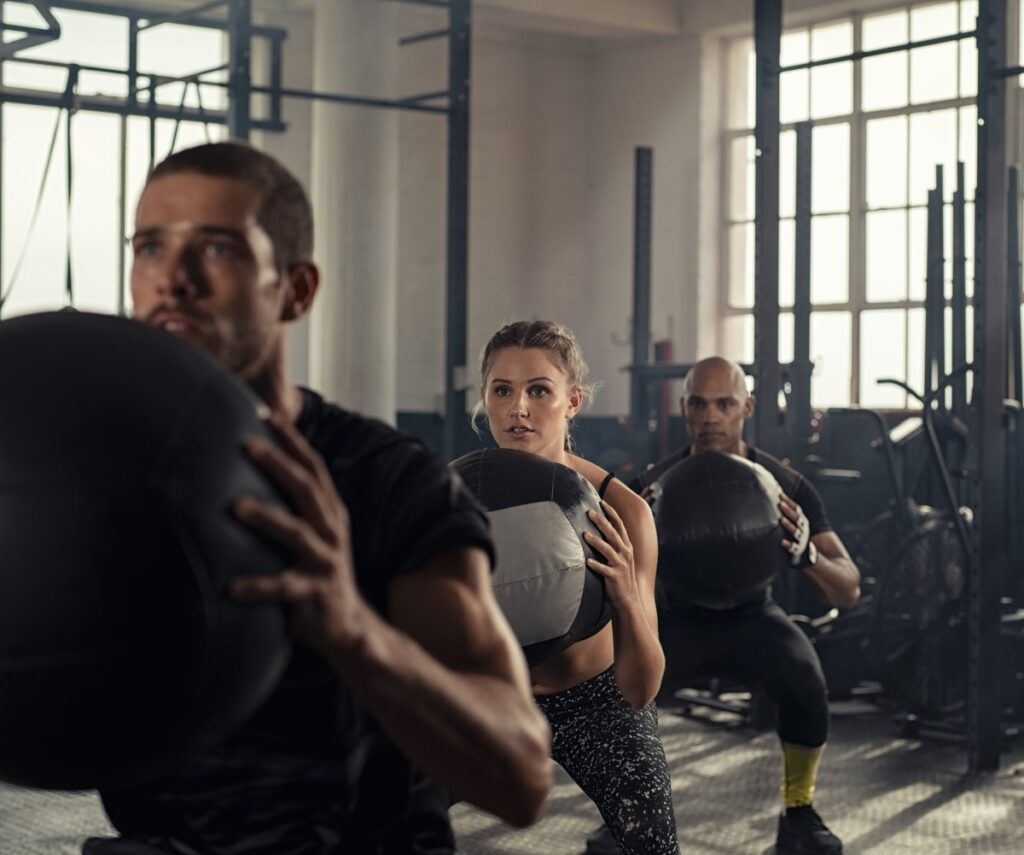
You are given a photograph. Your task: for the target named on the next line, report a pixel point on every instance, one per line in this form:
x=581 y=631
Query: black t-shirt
x=311 y=771
x=793 y=484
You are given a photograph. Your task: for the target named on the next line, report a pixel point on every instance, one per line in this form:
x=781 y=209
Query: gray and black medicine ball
x=538 y=512
x=719 y=531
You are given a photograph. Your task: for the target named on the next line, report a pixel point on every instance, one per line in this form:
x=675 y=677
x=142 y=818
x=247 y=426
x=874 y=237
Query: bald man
x=755 y=642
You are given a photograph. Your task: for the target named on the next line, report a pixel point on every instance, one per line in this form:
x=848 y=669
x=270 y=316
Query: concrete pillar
x=353 y=334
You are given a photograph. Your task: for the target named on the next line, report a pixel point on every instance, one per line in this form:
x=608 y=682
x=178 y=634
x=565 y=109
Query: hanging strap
x=69 y=291
x=5 y=296
x=202 y=113
x=604 y=484
x=180 y=115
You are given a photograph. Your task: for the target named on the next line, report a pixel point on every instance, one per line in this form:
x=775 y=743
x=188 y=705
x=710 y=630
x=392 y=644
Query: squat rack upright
x=991 y=357
x=995 y=381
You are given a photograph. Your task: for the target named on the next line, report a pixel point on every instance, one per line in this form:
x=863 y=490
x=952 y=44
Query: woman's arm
x=628 y=561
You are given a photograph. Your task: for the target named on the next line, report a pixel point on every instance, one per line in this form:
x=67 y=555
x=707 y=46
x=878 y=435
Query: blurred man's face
x=204 y=268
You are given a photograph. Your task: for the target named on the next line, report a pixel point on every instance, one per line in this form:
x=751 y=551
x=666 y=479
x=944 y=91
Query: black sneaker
x=801 y=832
x=601 y=842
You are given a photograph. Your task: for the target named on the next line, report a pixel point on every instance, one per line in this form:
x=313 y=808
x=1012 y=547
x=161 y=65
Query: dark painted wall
x=603 y=439
x=844 y=444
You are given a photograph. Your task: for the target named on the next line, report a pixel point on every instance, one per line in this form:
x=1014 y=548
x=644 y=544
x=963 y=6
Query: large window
x=880 y=127
x=34 y=255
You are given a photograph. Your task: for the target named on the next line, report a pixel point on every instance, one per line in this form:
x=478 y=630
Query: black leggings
x=613 y=752
x=757 y=646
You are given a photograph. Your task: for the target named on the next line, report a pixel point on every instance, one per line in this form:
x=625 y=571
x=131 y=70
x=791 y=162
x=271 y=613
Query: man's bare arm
x=445 y=677
x=834 y=574
x=450 y=686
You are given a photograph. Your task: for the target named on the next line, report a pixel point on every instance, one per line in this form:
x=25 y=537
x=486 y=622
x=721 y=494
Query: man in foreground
x=408 y=679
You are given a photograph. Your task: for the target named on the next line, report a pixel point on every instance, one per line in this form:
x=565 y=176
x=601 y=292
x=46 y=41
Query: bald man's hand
x=798 y=529
x=651 y=493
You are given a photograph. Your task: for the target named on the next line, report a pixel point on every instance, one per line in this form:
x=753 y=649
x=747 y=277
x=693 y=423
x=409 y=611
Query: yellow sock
x=800 y=771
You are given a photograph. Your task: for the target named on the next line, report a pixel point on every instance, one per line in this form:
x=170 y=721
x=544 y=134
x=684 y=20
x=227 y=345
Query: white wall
x=647 y=95
x=555 y=120
x=531 y=175
x=529 y=197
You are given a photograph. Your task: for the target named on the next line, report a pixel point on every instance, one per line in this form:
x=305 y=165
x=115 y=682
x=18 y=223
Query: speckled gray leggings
x=613 y=752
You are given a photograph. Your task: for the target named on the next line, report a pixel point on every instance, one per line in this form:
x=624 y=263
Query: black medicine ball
x=719 y=531
x=538 y=511
x=121 y=451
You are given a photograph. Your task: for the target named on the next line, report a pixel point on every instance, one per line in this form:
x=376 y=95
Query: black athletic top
x=311 y=772
x=793 y=484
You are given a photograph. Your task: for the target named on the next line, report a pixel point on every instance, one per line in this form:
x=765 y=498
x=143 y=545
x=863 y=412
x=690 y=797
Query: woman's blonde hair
x=556 y=339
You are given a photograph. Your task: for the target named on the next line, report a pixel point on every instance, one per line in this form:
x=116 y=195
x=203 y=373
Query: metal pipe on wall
x=935 y=302
x=959 y=302
x=456 y=377
x=801 y=369
x=639 y=387
x=240 y=69
x=1013 y=284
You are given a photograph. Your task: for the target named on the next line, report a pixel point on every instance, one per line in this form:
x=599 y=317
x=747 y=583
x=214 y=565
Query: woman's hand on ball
x=619 y=567
x=327 y=611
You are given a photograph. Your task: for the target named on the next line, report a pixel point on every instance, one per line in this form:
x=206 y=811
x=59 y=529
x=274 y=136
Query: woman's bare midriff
x=579 y=663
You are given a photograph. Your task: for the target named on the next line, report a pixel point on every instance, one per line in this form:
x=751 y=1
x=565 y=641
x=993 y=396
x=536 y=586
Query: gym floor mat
x=878 y=790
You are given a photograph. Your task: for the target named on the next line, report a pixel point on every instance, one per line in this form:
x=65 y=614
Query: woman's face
x=529 y=401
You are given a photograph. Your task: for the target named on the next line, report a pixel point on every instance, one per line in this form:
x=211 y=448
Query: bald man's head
x=717 y=368
x=716 y=404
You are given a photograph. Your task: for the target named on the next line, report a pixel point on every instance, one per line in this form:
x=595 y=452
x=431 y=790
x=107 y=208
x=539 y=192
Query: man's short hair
x=284 y=210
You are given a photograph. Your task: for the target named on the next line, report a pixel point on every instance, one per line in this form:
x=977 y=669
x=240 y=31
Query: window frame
x=857 y=299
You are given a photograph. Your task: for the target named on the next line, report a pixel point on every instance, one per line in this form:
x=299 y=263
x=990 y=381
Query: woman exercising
x=597 y=695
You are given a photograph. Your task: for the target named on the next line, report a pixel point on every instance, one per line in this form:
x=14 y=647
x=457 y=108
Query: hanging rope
x=69 y=107
x=6 y=295
x=180 y=115
x=202 y=113
x=69 y=291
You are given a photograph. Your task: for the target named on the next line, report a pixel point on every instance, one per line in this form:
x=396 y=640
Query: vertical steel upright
x=239 y=69
x=959 y=303
x=800 y=377
x=990 y=361
x=1014 y=582
x=151 y=107
x=69 y=95
x=934 y=299
x=122 y=179
x=1013 y=285
x=767 y=373
x=457 y=293
x=2 y=135
x=640 y=389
